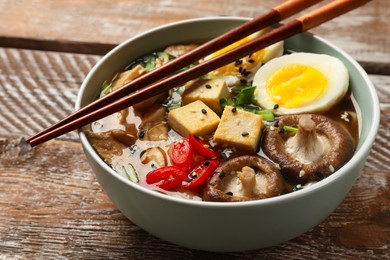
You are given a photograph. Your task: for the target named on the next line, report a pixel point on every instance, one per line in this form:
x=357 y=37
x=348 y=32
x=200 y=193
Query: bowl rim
x=357 y=157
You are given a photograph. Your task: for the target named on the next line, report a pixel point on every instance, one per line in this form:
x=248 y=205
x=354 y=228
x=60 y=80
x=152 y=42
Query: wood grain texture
x=77 y=26
x=51 y=205
x=46 y=83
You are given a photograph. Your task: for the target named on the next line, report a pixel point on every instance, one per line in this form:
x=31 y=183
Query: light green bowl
x=232 y=226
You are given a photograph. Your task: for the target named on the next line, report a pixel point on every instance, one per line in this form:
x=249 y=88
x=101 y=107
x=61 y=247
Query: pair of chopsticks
x=151 y=84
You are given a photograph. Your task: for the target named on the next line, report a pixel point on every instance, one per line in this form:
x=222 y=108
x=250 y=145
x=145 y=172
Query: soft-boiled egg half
x=245 y=68
x=301 y=83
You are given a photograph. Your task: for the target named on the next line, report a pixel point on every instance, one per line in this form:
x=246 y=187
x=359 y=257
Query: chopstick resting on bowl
x=273 y=16
x=143 y=88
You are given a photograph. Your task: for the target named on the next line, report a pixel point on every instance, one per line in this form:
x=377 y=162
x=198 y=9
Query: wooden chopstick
x=301 y=24
x=273 y=16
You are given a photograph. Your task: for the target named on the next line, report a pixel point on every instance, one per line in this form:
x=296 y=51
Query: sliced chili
x=202 y=147
x=200 y=174
x=167 y=177
x=182 y=154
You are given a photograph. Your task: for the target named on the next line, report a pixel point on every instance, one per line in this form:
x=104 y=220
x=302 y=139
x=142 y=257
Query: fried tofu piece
x=239 y=128
x=127 y=76
x=209 y=92
x=195 y=118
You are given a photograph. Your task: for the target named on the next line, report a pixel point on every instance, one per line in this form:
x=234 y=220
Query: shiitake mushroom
x=319 y=148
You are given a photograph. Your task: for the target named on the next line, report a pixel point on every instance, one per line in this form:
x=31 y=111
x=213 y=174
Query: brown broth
x=345 y=113
x=132 y=154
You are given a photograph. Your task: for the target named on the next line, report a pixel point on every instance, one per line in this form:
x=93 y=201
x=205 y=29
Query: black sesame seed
x=229 y=193
x=206 y=163
x=276 y=123
x=194 y=176
x=237 y=63
x=251 y=61
x=204 y=111
x=208 y=86
x=221 y=174
x=319 y=176
x=240 y=69
x=188 y=180
x=243 y=81
x=245 y=73
x=245 y=133
x=234 y=110
x=141 y=134
x=250 y=55
x=276 y=106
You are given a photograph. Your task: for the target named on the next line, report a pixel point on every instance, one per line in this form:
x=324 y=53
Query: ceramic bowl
x=239 y=226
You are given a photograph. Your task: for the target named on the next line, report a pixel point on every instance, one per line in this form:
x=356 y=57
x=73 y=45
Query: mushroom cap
x=337 y=153
x=269 y=184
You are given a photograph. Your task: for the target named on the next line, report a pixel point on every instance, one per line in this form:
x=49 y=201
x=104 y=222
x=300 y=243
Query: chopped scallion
x=290 y=129
x=127 y=171
x=268 y=115
x=106 y=88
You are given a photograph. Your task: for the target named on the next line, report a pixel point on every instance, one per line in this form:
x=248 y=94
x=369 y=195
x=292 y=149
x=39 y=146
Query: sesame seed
x=245 y=73
x=188 y=180
x=276 y=106
x=234 y=110
x=204 y=111
x=243 y=81
x=240 y=69
x=141 y=134
x=222 y=174
x=319 y=176
x=206 y=163
x=245 y=133
x=251 y=61
x=208 y=86
x=229 y=193
x=237 y=63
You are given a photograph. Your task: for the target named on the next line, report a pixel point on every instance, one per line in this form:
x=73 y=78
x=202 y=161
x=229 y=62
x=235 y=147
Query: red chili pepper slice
x=200 y=147
x=199 y=175
x=182 y=154
x=167 y=177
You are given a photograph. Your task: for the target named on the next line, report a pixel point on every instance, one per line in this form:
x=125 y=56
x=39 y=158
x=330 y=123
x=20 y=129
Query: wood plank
x=45 y=82
x=67 y=25
x=51 y=205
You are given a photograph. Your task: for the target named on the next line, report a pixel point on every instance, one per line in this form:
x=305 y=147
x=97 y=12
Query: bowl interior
x=199 y=30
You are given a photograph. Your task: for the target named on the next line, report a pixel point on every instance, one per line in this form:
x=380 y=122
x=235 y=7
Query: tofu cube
x=195 y=118
x=239 y=128
x=209 y=92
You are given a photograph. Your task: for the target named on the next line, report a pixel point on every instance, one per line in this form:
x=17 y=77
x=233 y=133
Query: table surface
x=51 y=205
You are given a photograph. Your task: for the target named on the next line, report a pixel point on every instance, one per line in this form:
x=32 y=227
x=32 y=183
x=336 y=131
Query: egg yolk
x=295 y=85
x=240 y=67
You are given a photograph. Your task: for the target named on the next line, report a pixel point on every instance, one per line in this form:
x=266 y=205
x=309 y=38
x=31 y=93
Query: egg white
x=331 y=67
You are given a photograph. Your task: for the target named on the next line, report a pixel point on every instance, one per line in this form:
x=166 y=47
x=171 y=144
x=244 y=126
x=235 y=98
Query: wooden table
x=51 y=205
